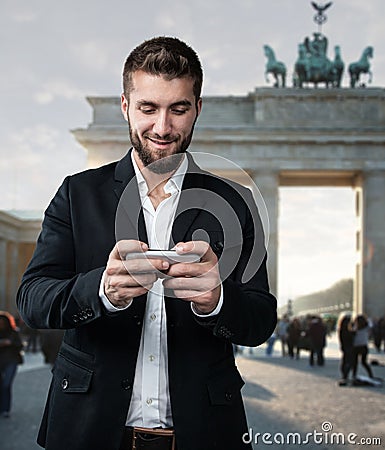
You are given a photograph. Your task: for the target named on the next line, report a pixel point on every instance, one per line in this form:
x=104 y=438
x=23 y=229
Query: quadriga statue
x=313 y=66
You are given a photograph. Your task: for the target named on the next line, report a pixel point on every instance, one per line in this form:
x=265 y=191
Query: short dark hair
x=168 y=57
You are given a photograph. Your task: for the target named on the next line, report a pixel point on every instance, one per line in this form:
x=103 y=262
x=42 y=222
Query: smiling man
x=147 y=359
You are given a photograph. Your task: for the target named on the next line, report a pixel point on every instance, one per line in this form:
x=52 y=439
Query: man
x=147 y=343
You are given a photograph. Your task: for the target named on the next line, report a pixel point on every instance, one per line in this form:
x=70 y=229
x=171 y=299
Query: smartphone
x=168 y=255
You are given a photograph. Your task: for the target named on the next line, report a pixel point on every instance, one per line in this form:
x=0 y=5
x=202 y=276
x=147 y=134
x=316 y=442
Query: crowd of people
x=309 y=334
x=301 y=333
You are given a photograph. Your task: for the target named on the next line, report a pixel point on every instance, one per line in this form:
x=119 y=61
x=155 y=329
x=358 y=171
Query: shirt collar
x=174 y=184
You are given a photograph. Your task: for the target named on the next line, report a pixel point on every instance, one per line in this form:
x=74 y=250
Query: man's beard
x=157 y=162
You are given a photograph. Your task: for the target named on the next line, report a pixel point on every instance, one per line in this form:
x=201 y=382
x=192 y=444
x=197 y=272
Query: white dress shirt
x=150 y=403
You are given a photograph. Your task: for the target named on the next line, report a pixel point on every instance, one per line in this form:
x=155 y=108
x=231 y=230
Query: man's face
x=161 y=115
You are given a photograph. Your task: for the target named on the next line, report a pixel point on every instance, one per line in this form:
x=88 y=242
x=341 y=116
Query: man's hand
x=197 y=282
x=126 y=279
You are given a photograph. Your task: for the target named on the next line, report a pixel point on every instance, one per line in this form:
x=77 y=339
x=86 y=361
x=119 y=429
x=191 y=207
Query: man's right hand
x=126 y=279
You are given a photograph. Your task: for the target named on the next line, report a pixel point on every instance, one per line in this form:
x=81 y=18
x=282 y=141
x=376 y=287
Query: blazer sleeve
x=52 y=294
x=249 y=312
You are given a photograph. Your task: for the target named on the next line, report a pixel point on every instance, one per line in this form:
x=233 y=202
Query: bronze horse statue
x=338 y=66
x=277 y=68
x=362 y=66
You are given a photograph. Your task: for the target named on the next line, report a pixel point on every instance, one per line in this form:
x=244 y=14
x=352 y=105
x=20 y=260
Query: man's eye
x=147 y=110
x=179 y=111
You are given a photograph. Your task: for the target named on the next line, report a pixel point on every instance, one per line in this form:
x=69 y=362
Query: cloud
x=41 y=157
x=92 y=54
x=166 y=21
x=58 y=88
x=24 y=16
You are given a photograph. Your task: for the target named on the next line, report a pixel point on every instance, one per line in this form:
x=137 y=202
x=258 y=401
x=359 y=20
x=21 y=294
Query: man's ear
x=124 y=106
x=199 y=106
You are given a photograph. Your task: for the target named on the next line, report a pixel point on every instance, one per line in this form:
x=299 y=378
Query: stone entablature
x=13 y=228
x=283 y=125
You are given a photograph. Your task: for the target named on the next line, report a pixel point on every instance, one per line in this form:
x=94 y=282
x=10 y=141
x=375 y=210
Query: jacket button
x=218 y=246
x=126 y=384
x=64 y=384
x=228 y=396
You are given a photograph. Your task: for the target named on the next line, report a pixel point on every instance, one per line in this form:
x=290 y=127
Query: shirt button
x=151 y=358
x=153 y=317
x=149 y=401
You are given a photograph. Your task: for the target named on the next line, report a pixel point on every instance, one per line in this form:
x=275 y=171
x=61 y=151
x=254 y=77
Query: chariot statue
x=313 y=65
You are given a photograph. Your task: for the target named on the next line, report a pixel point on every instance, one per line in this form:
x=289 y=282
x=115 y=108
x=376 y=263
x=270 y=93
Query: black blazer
x=93 y=375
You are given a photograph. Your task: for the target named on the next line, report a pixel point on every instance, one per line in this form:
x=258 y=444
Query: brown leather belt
x=137 y=438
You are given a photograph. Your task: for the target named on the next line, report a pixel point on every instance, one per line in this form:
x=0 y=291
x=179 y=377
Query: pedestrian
x=381 y=326
x=376 y=334
x=282 y=327
x=10 y=356
x=293 y=336
x=346 y=337
x=317 y=336
x=147 y=356
x=360 y=344
x=270 y=344
x=32 y=340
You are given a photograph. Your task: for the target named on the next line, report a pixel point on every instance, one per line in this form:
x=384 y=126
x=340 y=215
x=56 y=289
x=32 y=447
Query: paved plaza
x=289 y=403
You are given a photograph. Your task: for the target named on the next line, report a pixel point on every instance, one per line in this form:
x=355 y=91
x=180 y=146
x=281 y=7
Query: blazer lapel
x=191 y=202
x=129 y=220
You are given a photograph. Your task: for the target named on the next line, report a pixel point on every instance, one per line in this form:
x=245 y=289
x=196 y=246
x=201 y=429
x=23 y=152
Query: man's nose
x=163 y=124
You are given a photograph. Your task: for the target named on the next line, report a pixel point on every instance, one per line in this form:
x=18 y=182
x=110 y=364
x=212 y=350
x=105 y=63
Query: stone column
x=373 y=243
x=268 y=184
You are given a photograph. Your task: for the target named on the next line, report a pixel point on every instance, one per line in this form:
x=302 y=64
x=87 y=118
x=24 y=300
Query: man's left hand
x=197 y=282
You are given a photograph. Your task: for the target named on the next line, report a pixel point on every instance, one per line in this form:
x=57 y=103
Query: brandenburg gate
x=288 y=137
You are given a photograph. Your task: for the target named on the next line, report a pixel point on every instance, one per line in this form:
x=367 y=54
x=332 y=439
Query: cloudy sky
x=54 y=54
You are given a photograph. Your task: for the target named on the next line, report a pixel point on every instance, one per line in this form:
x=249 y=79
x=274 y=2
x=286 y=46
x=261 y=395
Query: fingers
x=202 y=248
x=122 y=248
x=121 y=289
x=208 y=262
x=186 y=287
x=127 y=279
x=135 y=262
x=198 y=282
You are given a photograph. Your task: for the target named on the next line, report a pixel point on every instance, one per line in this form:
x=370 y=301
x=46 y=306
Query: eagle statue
x=321 y=8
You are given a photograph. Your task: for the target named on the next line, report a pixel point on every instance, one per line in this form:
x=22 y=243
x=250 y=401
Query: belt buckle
x=138 y=432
